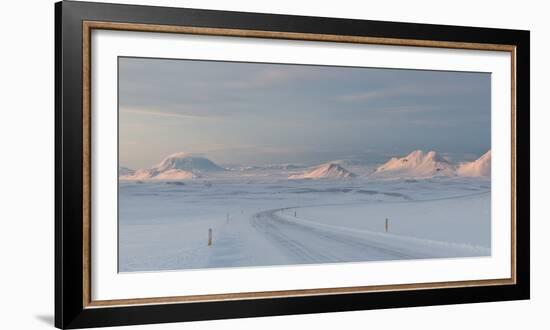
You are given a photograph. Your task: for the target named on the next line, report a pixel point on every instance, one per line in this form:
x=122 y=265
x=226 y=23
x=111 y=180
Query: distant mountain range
x=325 y=171
x=178 y=166
x=417 y=164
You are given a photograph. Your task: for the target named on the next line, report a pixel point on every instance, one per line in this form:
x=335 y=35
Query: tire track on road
x=306 y=244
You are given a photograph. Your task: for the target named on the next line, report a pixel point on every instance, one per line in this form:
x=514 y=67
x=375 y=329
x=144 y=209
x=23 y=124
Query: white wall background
x=27 y=169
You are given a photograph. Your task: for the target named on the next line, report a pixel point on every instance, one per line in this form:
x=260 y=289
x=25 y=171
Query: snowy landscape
x=243 y=164
x=188 y=212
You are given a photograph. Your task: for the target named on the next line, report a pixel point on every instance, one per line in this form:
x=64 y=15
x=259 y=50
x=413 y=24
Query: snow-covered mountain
x=178 y=166
x=175 y=174
x=476 y=168
x=417 y=164
x=325 y=171
x=152 y=174
x=187 y=162
x=137 y=175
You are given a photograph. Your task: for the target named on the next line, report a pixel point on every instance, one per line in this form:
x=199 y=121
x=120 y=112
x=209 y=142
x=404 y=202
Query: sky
x=238 y=113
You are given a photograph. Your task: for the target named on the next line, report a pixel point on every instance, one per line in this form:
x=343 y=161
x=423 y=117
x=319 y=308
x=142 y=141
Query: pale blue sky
x=246 y=113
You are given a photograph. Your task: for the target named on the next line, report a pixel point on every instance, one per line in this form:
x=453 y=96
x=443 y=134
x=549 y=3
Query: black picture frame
x=70 y=309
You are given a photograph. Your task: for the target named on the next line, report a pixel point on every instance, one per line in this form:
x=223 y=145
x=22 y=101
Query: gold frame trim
x=88 y=26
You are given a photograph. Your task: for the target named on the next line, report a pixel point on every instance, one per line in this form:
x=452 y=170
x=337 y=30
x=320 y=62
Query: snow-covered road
x=303 y=241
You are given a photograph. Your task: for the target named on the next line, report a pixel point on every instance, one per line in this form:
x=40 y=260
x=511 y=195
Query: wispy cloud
x=157 y=113
x=365 y=96
x=406 y=90
x=272 y=77
x=406 y=109
x=251 y=148
x=182 y=111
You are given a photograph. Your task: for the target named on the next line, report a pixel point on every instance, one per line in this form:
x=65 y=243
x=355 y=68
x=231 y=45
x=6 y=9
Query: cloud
x=158 y=113
x=277 y=75
x=425 y=89
x=384 y=93
x=406 y=109
x=365 y=96
x=254 y=148
x=432 y=122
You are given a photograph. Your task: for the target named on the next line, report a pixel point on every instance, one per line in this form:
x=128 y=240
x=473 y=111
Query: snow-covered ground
x=261 y=218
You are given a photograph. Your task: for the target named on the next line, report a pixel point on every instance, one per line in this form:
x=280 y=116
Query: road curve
x=303 y=243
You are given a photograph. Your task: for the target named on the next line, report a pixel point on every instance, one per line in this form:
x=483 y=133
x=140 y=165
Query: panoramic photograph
x=237 y=164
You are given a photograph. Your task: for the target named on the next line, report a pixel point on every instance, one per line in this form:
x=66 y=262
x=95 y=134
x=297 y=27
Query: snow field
x=164 y=225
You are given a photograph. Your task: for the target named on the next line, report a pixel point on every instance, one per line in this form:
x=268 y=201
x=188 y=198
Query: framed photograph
x=215 y=164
